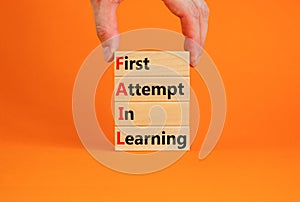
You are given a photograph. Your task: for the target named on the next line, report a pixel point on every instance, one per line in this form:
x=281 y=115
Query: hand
x=192 y=13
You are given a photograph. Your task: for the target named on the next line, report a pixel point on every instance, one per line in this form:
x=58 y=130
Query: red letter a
x=121 y=89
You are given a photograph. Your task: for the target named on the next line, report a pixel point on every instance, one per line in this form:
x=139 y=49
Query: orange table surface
x=255 y=47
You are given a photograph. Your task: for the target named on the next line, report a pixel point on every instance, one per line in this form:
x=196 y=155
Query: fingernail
x=108 y=54
x=195 y=60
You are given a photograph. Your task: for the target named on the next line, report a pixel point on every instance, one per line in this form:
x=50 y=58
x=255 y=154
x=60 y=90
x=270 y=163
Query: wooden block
x=152 y=113
x=152 y=138
x=152 y=64
x=152 y=94
x=152 y=89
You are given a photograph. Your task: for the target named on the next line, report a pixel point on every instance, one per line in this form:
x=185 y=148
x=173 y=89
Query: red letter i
x=121 y=113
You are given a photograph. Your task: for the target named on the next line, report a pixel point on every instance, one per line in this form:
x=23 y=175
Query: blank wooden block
x=161 y=64
x=153 y=89
x=166 y=138
x=152 y=113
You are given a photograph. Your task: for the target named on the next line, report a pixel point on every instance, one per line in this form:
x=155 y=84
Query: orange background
x=255 y=46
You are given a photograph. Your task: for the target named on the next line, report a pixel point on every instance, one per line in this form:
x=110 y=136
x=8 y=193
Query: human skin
x=193 y=15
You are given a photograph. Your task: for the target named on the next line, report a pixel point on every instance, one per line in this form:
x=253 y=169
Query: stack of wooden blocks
x=152 y=101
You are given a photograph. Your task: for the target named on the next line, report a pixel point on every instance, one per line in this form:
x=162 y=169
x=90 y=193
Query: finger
x=195 y=50
x=204 y=14
x=106 y=25
x=190 y=24
x=195 y=45
x=190 y=15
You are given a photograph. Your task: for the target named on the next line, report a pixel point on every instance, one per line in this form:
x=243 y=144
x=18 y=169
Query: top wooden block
x=151 y=64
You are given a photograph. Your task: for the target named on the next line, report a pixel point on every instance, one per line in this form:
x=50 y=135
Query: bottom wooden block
x=169 y=138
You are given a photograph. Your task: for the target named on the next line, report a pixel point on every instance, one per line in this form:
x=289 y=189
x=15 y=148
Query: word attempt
x=138 y=90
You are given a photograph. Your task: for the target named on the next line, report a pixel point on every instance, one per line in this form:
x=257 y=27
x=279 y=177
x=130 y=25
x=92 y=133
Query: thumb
x=106 y=25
